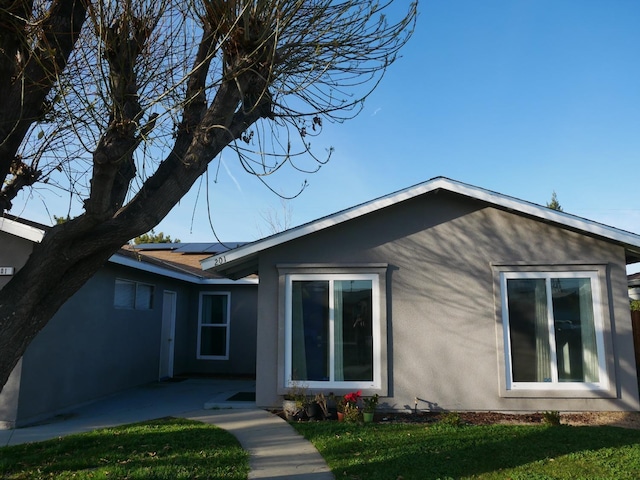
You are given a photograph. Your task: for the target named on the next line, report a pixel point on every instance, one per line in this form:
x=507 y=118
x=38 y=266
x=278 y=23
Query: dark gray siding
x=91 y=349
x=14 y=252
x=242 y=352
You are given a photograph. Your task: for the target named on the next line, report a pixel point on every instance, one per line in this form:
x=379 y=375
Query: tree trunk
x=56 y=269
x=72 y=252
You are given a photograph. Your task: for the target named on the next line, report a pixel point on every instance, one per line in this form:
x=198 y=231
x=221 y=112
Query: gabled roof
x=243 y=260
x=194 y=247
x=176 y=260
x=179 y=261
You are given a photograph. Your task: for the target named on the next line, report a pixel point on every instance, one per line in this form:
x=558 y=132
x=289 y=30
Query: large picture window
x=332 y=330
x=553 y=330
x=213 y=326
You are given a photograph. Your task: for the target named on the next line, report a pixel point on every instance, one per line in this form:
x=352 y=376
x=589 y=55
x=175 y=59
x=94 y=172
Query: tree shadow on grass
x=165 y=448
x=419 y=452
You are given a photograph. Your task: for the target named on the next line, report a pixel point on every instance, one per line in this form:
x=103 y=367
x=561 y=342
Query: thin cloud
x=231 y=175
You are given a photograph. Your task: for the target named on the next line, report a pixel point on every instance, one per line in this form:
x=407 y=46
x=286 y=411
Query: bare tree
x=125 y=104
x=277 y=219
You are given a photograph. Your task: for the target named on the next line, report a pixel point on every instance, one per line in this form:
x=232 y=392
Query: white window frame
x=135 y=305
x=226 y=325
x=376 y=331
x=603 y=383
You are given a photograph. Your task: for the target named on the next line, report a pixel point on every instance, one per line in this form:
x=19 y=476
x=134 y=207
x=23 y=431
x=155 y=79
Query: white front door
x=168 y=331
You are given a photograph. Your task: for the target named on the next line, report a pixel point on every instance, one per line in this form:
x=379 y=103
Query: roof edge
x=22 y=230
x=123 y=260
x=225 y=260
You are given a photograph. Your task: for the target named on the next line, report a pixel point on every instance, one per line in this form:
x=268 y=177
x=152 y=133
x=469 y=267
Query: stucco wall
x=443 y=341
x=90 y=349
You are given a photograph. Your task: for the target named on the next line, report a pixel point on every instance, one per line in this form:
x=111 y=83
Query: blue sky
x=523 y=97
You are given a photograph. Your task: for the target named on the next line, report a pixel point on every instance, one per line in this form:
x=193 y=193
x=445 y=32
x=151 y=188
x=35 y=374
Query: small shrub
x=352 y=413
x=298 y=393
x=370 y=403
x=453 y=419
x=551 y=417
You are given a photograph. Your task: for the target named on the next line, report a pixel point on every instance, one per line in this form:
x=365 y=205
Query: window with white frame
x=133 y=295
x=213 y=325
x=553 y=330
x=332 y=330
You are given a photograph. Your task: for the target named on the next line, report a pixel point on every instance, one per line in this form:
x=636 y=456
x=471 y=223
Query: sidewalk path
x=276 y=450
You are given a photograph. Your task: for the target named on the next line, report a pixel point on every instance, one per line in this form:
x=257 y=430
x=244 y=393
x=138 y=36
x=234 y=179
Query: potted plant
x=339 y=402
x=351 y=408
x=370 y=404
x=294 y=402
x=321 y=401
x=311 y=408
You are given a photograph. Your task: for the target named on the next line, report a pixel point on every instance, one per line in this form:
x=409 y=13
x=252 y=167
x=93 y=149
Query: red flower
x=353 y=397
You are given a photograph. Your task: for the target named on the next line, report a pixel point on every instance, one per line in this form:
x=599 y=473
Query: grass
x=167 y=448
x=183 y=449
x=445 y=451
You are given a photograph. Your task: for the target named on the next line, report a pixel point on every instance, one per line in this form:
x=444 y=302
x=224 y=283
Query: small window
x=133 y=295
x=332 y=330
x=553 y=330
x=213 y=326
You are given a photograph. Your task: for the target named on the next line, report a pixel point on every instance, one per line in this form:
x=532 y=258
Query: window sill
x=559 y=392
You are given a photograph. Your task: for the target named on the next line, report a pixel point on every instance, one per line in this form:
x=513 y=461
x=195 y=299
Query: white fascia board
x=21 y=230
x=545 y=213
x=165 y=272
x=442 y=183
x=317 y=225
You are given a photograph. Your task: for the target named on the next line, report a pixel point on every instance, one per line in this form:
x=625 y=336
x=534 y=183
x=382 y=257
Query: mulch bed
x=619 y=419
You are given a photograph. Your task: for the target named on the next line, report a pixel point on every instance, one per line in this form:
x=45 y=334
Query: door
x=167 y=334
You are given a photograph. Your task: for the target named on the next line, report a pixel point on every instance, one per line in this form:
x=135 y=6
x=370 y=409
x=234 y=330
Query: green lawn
x=160 y=449
x=178 y=448
x=418 y=451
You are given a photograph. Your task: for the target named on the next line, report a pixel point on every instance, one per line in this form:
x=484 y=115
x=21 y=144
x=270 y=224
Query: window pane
x=213 y=341
x=214 y=310
x=353 y=330
x=125 y=294
x=529 y=330
x=310 y=330
x=574 y=330
x=144 y=297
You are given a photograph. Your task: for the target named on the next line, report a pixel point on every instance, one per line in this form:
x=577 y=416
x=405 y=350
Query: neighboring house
x=148 y=314
x=445 y=296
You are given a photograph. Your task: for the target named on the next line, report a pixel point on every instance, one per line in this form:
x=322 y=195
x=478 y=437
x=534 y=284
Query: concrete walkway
x=276 y=450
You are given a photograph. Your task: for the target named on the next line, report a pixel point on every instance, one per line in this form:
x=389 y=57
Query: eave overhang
x=242 y=261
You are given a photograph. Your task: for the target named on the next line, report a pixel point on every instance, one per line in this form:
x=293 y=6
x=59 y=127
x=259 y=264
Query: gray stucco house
x=150 y=313
x=445 y=296
x=439 y=296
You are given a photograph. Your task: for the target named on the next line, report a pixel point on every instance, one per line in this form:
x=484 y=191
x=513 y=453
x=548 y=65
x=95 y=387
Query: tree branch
x=113 y=164
x=22 y=97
